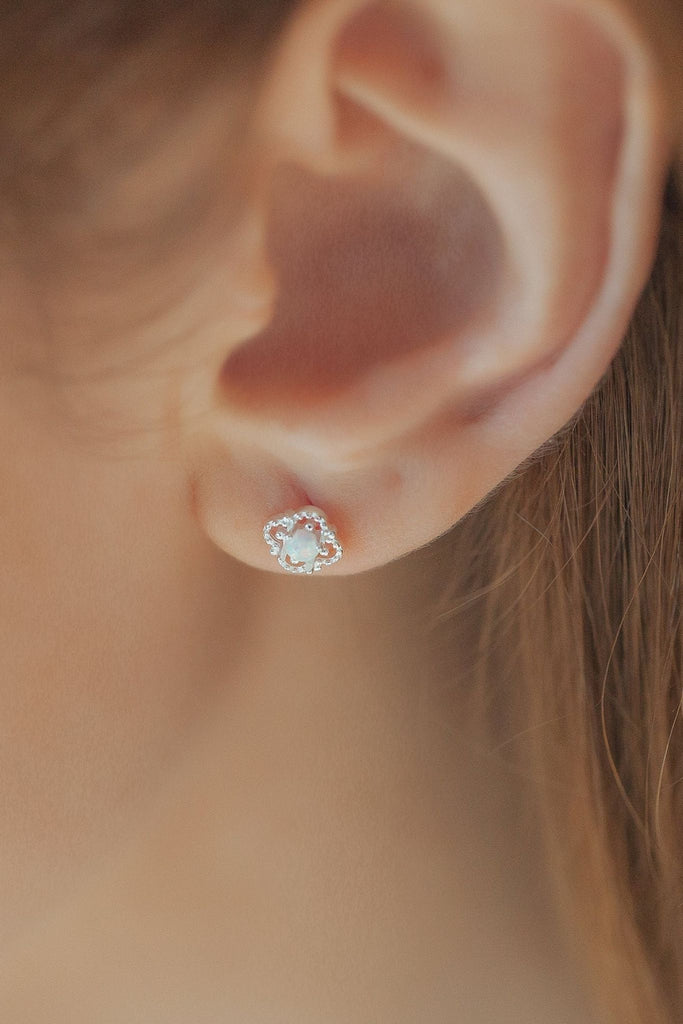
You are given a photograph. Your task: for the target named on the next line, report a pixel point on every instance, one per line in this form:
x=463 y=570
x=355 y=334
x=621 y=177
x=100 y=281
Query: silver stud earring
x=303 y=541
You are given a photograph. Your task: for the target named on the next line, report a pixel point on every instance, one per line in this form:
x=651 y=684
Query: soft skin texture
x=233 y=795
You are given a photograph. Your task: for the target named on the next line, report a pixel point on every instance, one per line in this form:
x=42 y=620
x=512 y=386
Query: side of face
x=374 y=283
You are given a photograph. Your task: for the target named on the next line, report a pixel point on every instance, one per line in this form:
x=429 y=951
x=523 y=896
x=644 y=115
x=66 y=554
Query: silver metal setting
x=303 y=541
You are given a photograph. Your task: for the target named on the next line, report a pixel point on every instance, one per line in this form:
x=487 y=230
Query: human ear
x=459 y=203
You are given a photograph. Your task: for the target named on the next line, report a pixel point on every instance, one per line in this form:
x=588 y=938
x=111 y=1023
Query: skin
x=229 y=794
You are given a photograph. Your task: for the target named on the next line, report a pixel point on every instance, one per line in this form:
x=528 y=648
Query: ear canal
x=440 y=221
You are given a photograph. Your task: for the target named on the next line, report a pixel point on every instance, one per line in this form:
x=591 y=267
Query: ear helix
x=303 y=541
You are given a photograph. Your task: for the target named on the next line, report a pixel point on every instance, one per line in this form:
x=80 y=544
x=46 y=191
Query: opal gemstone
x=302 y=545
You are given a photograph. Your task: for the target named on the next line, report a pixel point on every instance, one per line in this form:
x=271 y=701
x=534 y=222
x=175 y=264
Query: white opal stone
x=301 y=546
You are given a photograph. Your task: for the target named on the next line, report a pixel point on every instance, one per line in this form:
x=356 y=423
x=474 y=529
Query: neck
x=328 y=824
x=332 y=708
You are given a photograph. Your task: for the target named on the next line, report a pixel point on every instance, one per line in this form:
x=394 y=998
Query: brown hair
x=576 y=588
x=574 y=580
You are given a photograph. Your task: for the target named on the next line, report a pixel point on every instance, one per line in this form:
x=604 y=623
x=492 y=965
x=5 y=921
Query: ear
x=459 y=204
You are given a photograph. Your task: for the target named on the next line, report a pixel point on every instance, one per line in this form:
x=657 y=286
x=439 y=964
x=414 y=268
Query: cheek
x=137 y=248
x=102 y=588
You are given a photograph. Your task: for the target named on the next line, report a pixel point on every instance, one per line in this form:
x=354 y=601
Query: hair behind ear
x=578 y=559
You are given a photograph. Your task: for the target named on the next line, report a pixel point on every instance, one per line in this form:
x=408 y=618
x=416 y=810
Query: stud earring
x=303 y=541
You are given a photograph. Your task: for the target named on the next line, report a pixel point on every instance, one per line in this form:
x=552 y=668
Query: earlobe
x=461 y=215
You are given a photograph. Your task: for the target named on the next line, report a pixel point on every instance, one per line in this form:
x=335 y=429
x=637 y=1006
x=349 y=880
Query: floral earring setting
x=303 y=541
